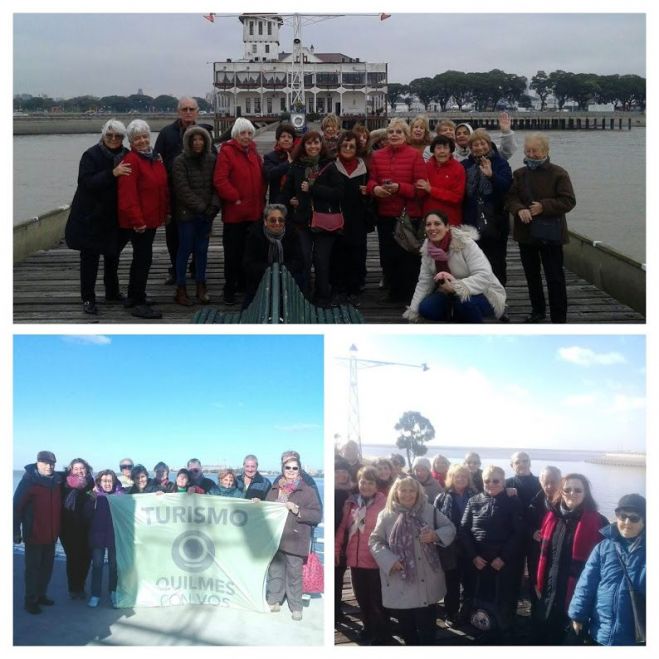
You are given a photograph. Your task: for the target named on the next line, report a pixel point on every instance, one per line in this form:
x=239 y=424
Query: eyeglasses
x=113 y=136
x=291 y=468
x=573 y=490
x=349 y=147
x=632 y=517
x=125 y=467
x=494 y=481
x=276 y=220
x=188 y=109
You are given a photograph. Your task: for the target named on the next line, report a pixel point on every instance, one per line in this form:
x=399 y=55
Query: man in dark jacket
x=197 y=476
x=252 y=484
x=169 y=144
x=37 y=519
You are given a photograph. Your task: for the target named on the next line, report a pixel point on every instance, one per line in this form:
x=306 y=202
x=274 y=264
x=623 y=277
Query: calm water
x=608 y=483
x=607 y=170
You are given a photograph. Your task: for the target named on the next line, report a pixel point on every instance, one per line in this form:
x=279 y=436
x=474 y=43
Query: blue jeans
x=449 y=308
x=193 y=236
x=98 y=558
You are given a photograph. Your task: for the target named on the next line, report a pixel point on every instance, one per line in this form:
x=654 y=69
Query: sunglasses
x=276 y=220
x=632 y=517
x=292 y=468
x=113 y=136
x=494 y=481
x=573 y=490
x=125 y=466
x=188 y=109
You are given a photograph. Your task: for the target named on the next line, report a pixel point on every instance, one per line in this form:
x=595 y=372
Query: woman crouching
x=404 y=545
x=456 y=282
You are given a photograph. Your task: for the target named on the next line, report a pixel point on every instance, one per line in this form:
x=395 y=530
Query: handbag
x=313 y=580
x=326 y=221
x=408 y=233
x=485 y=615
x=544 y=229
x=638 y=603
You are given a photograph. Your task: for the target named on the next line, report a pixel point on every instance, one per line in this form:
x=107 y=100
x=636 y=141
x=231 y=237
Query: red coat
x=403 y=165
x=447 y=188
x=356 y=551
x=143 y=197
x=239 y=177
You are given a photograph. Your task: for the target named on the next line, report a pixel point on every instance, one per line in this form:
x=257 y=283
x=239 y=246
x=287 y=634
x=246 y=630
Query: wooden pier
x=47 y=290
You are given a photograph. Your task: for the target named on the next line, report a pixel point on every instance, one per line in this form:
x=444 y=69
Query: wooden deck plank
x=46 y=290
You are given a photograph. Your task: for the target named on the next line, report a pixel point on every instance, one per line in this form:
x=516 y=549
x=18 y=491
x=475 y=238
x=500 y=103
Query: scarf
x=586 y=536
x=77 y=485
x=226 y=491
x=405 y=530
x=534 y=164
x=275 y=246
x=349 y=165
x=439 y=254
x=116 y=155
x=477 y=184
x=149 y=155
x=286 y=488
x=435 y=474
x=358 y=522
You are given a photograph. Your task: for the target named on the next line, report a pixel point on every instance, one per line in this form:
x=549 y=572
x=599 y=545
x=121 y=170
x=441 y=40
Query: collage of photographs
x=398 y=256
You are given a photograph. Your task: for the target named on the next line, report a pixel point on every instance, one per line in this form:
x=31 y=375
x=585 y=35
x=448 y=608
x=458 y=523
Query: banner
x=176 y=549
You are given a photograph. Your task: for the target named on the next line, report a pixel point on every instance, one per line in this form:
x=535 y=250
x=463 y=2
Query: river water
x=607 y=169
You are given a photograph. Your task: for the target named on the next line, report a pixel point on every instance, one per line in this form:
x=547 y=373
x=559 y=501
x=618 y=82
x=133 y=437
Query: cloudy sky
x=558 y=392
x=64 y=55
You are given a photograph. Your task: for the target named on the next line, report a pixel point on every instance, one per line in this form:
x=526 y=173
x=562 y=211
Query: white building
x=260 y=84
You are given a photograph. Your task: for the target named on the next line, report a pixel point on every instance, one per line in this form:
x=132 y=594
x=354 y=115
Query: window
x=260 y=28
x=282 y=104
x=253 y=47
x=251 y=28
x=269 y=104
x=257 y=105
x=248 y=105
x=267 y=48
x=269 y=29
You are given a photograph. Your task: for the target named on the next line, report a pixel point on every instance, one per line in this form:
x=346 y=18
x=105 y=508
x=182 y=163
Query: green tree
x=115 y=103
x=203 y=104
x=541 y=85
x=415 y=430
x=165 y=103
x=560 y=86
x=140 y=102
x=395 y=91
x=584 y=88
x=424 y=89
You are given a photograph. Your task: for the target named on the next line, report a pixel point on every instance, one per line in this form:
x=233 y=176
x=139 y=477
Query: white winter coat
x=470 y=268
x=429 y=586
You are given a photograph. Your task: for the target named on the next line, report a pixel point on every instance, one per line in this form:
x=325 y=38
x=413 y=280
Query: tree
x=584 y=88
x=203 y=104
x=165 y=103
x=560 y=86
x=424 y=88
x=541 y=85
x=415 y=430
x=394 y=91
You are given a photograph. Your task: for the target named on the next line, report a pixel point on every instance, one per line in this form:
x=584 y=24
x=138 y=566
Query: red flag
x=384 y=17
x=210 y=17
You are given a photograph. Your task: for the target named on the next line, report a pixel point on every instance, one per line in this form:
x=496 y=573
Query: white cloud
x=623 y=404
x=89 y=339
x=580 y=400
x=588 y=357
x=298 y=427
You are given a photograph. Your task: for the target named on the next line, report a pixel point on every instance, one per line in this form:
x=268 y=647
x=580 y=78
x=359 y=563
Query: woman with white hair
x=421 y=470
x=405 y=545
x=492 y=533
x=240 y=185
x=143 y=206
x=92 y=225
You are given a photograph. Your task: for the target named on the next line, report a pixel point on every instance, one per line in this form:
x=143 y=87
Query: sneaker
x=297 y=615
x=113 y=599
x=145 y=311
x=45 y=601
x=275 y=608
x=116 y=297
x=93 y=602
x=32 y=607
x=130 y=302
x=88 y=306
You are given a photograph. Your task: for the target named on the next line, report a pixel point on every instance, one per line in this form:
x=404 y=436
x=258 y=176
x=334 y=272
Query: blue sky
x=581 y=392
x=74 y=54
x=168 y=398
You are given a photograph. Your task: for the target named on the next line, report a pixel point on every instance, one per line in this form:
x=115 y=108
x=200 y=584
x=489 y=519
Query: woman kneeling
x=456 y=282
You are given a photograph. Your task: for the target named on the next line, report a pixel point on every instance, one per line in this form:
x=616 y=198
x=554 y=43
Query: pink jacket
x=357 y=552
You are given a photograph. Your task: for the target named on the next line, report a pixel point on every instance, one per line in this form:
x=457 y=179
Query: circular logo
x=193 y=551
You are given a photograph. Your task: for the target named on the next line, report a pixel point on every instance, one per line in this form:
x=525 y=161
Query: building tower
x=261 y=37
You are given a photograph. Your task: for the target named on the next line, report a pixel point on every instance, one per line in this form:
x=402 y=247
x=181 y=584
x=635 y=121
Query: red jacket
x=38 y=507
x=239 y=177
x=356 y=551
x=403 y=165
x=447 y=188
x=143 y=197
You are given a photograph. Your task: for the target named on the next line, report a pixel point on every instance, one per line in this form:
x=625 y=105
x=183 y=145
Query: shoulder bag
x=638 y=603
x=312 y=571
x=325 y=221
x=408 y=233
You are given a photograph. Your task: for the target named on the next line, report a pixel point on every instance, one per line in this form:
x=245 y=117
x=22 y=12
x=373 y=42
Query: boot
x=182 y=297
x=202 y=294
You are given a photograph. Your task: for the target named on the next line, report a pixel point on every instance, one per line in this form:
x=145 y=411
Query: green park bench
x=279 y=299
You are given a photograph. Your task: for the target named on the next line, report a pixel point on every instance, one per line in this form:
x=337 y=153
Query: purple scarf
x=77 y=486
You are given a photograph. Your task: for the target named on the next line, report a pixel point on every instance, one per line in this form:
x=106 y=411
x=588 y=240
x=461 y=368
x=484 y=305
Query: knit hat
x=632 y=503
x=467 y=126
x=46 y=456
x=421 y=462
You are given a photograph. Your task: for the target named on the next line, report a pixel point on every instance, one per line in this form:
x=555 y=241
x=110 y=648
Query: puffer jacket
x=144 y=195
x=469 y=266
x=296 y=537
x=551 y=186
x=601 y=599
x=403 y=165
x=429 y=586
x=192 y=178
x=355 y=548
x=38 y=506
x=239 y=177
x=447 y=189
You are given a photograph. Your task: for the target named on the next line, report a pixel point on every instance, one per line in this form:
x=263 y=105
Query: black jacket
x=257 y=489
x=275 y=167
x=527 y=487
x=493 y=527
x=92 y=223
x=358 y=211
x=326 y=193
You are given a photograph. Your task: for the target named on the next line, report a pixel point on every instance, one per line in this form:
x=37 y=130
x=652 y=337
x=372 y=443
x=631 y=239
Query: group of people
x=310 y=204
x=466 y=535
x=73 y=506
